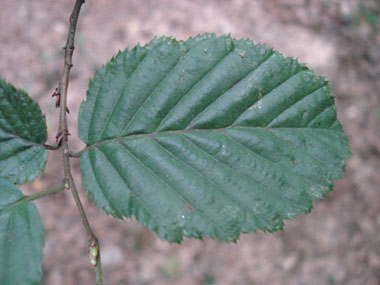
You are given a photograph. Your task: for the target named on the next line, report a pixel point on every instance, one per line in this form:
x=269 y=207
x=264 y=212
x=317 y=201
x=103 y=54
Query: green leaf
x=22 y=134
x=21 y=238
x=208 y=138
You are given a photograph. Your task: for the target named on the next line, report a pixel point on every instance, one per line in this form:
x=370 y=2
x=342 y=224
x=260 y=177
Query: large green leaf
x=22 y=134
x=21 y=238
x=208 y=138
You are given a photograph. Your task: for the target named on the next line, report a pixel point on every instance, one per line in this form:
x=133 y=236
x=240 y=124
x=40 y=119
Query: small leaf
x=21 y=238
x=209 y=137
x=22 y=134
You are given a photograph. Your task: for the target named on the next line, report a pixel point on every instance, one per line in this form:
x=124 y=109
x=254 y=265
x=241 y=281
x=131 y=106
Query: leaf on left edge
x=21 y=238
x=22 y=135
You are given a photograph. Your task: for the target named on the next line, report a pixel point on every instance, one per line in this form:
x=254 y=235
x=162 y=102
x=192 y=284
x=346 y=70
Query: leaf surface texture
x=208 y=137
x=22 y=135
x=21 y=238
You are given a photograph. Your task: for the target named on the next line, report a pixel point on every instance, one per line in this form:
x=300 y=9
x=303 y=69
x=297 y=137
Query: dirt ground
x=337 y=243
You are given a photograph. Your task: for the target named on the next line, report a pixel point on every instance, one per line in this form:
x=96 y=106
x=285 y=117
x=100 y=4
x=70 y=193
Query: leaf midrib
x=15 y=136
x=180 y=132
x=13 y=204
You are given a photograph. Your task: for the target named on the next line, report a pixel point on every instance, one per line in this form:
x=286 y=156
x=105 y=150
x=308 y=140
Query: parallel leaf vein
x=298 y=101
x=318 y=114
x=15 y=136
x=220 y=95
x=174 y=190
x=130 y=121
x=265 y=94
x=15 y=111
x=275 y=195
x=100 y=89
x=15 y=152
x=99 y=184
x=147 y=208
x=303 y=152
x=193 y=85
x=328 y=145
x=234 y=170
x=248 y=209
x=120 y=96
x=285 y=169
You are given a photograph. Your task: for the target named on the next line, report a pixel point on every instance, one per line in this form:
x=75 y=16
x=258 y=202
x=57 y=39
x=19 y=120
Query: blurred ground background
x=338 y=243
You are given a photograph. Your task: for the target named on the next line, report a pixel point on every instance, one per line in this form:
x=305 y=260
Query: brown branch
x=62 y=137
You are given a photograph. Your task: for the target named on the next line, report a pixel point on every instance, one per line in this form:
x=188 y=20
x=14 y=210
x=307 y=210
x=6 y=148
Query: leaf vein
x=298 y=101
x=193 y=85
x=234 y=170
x=273 y=163
x=147 y=208
x=130 y=121
x=249 y=177
x=174 y=190
x=15 y=111
x=99 y=184
x=318 y=114
x=15 y=153
x=121 y=94
x=301 y=151
x=220 y=95
x=265 y=94
x=209 y=180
